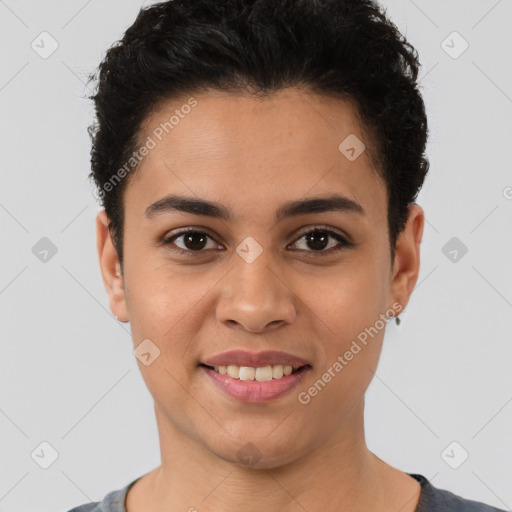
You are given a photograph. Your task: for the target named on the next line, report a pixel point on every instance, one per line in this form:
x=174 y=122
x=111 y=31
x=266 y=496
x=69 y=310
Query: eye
x=318 y=238
x=193 y=239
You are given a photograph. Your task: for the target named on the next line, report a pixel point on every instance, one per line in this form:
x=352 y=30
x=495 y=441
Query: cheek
x=167 y=312
x=352 y=344
x=347 y=311
x=349 y=297
x=159 y=296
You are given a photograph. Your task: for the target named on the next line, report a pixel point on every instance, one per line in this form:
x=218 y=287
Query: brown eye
x=193 y=241
x=317 y=241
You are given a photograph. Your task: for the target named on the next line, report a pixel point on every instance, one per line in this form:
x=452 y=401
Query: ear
x=110 y=268
x=406 y=266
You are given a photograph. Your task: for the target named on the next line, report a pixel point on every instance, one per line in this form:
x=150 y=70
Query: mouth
x=255 y=377
x=255 y=385
x=260 y=374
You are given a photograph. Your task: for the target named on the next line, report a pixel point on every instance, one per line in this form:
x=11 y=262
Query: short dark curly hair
x=339 y=48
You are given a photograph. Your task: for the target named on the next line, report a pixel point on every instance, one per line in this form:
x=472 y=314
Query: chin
x=258 y=452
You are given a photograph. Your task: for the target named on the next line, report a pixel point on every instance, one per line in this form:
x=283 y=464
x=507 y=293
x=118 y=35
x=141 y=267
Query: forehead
x=246 y=150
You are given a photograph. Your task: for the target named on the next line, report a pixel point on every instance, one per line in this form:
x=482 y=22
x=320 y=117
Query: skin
x=252 y=155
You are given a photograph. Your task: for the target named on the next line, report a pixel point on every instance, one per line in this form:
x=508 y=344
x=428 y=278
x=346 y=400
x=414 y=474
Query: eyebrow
x=334 y=202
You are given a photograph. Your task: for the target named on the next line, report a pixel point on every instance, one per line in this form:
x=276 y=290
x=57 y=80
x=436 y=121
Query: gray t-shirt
x=432 y=499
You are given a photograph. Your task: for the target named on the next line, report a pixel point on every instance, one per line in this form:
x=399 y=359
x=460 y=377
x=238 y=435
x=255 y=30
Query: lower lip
x=252 y=391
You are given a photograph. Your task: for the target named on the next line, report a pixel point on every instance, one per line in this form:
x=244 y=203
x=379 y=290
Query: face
x=310 y=282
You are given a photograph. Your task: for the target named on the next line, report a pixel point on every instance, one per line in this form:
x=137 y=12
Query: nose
x=255 y=297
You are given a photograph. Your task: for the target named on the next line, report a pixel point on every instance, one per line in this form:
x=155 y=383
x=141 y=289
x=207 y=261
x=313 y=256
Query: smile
x=260 y=374
x=244 y=386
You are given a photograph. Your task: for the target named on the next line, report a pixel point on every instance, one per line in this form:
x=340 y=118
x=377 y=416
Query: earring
x=397 y=318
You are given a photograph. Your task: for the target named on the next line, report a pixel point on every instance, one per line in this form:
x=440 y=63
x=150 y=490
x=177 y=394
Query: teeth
x=246 y=373
x=233 y=371
x=263 y=374
x=277 y=371
x=260 y=374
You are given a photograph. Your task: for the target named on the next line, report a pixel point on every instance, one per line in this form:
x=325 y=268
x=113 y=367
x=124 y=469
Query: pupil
x=193 y=238
x=322 y=235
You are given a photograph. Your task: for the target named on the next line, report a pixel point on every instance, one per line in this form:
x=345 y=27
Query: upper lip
x=240 y=357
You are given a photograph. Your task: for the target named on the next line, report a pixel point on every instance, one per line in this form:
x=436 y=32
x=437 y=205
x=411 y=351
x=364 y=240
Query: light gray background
x=68 y=373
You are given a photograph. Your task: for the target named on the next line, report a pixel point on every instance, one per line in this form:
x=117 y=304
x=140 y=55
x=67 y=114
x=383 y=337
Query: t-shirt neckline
x=422 y=502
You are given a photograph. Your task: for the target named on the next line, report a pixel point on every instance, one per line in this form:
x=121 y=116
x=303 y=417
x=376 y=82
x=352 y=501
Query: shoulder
x=433 y=499
x=446 y=500
x=112 y=502
x=87 y=507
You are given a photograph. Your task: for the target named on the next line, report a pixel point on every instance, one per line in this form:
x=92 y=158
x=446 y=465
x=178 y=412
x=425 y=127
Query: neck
x=338 y=472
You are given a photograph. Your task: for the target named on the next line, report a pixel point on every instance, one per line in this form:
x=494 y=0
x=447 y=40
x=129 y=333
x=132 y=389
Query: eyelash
x=334 y=234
